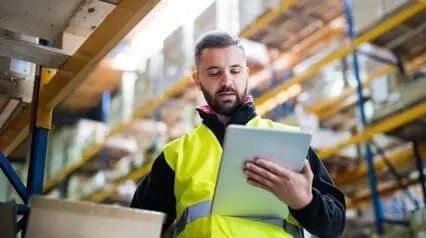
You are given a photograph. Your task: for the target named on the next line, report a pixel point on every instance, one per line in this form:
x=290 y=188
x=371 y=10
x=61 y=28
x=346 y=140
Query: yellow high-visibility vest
x=195 y=159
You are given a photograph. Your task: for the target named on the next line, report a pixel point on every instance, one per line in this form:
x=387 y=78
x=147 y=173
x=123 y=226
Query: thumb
x=307 y=171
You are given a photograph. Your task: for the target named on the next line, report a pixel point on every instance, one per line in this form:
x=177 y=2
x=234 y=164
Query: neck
x=222 y=118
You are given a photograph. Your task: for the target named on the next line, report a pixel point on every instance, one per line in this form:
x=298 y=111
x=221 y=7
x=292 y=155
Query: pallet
x=301 y=20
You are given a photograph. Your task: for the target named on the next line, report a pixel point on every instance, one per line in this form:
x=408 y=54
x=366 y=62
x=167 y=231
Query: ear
x=195 y=78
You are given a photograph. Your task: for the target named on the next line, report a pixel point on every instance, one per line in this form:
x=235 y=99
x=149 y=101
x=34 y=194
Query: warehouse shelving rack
x=49 y=94
x=124 y=17
x=103 y=39
x=380 y=128
x=364 y=136
x=149 y=108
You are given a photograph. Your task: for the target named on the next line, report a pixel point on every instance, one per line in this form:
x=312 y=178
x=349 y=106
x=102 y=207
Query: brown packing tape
x=93 y=209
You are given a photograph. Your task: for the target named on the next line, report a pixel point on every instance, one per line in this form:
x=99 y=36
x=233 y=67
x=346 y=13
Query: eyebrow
x=236 y=65
x=217 y=67
x=213 y=67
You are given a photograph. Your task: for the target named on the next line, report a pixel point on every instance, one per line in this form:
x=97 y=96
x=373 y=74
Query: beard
x=227 y=107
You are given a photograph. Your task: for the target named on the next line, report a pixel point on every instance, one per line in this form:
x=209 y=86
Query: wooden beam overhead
x=113 y=29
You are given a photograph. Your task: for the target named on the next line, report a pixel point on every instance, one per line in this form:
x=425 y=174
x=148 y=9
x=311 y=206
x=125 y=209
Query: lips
x=227 y=94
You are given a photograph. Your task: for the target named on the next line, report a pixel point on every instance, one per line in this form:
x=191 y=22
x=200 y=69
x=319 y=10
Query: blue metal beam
x=400 y=63
x=14 y=179
x=377 y=204
x=105 y=106
x=37 y=161
x=21 y=209
x=420 y=168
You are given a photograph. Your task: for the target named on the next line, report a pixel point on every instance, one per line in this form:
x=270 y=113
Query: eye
x=214 y=72
x=235 y=71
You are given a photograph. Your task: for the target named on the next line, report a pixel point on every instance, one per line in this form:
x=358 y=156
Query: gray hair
x=215 y=39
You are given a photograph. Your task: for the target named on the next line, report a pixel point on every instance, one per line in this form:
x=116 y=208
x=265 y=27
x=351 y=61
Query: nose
x=227 y=79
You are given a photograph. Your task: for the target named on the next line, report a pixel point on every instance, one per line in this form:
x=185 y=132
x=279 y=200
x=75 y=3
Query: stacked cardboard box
x=148 y=82
x=221 y=15
x=122 y=104
x=178 y=56
x=249 y=11
x=418 y=223
x=367 y=13
x=85 y=134
x=143 y=89
x=57 y=157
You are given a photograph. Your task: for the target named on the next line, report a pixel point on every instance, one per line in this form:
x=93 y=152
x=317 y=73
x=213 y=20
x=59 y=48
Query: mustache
x=226 y=89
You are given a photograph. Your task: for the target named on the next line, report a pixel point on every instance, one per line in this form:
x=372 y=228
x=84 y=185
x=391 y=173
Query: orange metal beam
x=384 y=126
x=399 y=159
x=328 y=107
x=269 y=98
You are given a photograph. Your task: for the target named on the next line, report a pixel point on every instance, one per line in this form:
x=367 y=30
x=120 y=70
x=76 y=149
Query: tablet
x=233 y=195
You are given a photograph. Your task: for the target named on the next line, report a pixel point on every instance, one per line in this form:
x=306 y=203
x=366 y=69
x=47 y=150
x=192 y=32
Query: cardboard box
x=178 y=55
x=65 y=219
x=8 y=220
x=249 y=11
x=84 y=134
x=418 y=221
x=367 y=13
x=221 y=15
x=144 y=88
x=57 y=157
x=122 y=104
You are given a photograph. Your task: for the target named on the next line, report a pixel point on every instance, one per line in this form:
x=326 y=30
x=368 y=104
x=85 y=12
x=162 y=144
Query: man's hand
x=294 y=189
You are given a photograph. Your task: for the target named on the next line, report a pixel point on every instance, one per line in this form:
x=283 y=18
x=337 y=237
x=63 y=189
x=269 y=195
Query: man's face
x=222 y=77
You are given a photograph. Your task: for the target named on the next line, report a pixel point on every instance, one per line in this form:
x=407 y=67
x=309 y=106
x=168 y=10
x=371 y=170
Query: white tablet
x=233 y=195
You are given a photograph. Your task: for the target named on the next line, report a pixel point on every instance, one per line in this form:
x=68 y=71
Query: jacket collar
x=243 y=115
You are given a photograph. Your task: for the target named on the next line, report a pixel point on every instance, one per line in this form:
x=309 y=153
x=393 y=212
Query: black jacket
x=323 y=217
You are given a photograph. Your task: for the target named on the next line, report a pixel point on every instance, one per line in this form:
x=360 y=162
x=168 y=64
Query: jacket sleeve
x=325 y=216
x=156 y=191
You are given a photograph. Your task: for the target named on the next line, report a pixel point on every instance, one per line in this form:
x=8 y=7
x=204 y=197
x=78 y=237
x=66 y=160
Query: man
x=181 y=183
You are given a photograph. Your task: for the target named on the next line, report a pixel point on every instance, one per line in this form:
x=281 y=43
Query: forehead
x=222 y=57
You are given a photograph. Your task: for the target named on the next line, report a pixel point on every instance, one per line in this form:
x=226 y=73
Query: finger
x=254 y=176
x=274 y=167
x=262 y=172
x=259 y=185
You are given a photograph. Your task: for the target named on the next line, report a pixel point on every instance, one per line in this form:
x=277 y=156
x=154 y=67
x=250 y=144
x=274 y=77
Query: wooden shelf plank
x=113 y=29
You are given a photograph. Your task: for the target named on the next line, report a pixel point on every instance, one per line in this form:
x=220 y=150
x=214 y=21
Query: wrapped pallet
x=122 y=104
x=144 y=90
x=367 y=13
x=148 y=82
x=249 y=11
x=221 y=15
x=57 y=157
x=418 y=223
x=157 y=74
x=85 y=134
x=178 y=56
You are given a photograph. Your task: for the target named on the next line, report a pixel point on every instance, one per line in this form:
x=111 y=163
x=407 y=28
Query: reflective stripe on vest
x=202 y=209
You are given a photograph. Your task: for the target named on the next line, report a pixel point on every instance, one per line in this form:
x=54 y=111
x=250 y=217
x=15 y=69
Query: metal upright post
x=41 y=119
x=104 y=109
x=377 y=204
x=39 y=135
x=421 y=169
x=400 y=64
